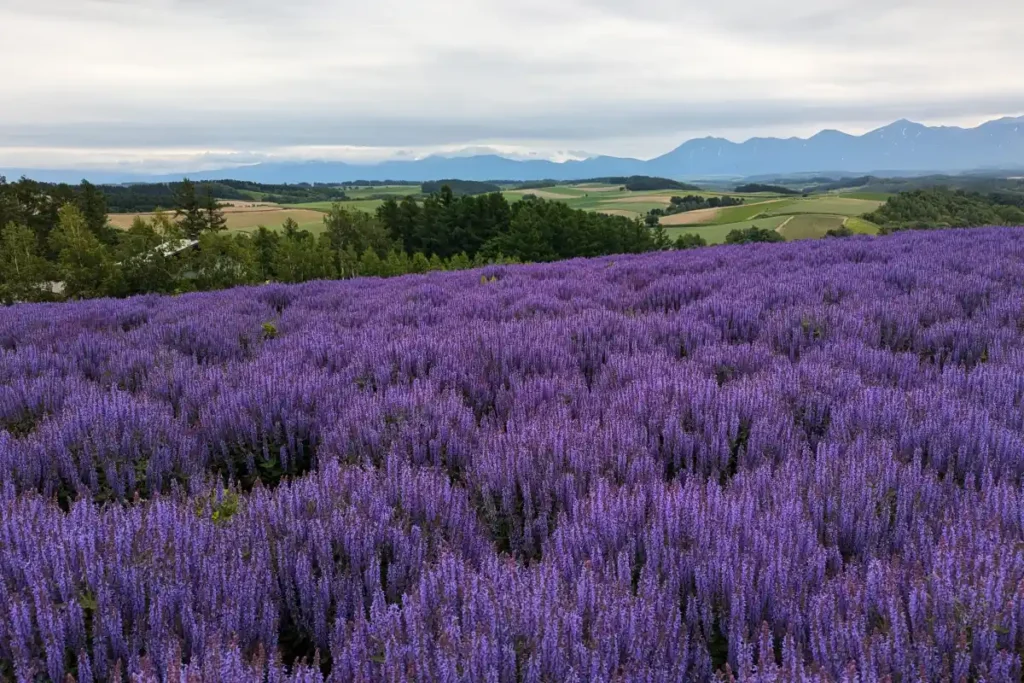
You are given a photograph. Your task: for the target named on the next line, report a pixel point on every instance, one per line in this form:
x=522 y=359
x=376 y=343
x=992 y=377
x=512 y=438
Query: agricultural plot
x=809 y=226
x=786 y=462
x=861 y=226
x=556 y=193
x=723 y=215
x=825 y=204
x=367 y=205
x=396 y=191
x=869 y=196
x=716 y=233
x=245 y=217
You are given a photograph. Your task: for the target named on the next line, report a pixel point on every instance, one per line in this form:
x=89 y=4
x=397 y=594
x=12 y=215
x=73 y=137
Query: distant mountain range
x=901 y=148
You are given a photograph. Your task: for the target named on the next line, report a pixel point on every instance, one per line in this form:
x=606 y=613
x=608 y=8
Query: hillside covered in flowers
x=773 y=463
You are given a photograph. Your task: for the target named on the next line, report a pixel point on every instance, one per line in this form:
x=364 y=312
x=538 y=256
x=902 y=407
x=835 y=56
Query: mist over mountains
x=902 y=147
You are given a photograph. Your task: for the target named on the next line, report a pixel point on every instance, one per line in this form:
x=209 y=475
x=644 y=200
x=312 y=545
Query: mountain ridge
x=911 y=147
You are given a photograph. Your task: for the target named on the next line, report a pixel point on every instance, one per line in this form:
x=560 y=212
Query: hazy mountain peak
x=901 y=146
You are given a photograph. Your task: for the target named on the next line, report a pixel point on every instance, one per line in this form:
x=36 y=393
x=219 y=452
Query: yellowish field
x=241 y=218
x=691 y=217
x=591 y=187
x=640 y=199
x=542 y=194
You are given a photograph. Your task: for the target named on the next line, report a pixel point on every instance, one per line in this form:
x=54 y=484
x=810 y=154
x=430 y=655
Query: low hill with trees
x=946 y=208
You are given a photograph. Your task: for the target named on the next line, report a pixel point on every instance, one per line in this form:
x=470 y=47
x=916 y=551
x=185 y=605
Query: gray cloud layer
x=257 y=75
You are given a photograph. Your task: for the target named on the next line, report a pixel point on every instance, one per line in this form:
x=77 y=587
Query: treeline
x=55 y=242
x=946 y=208
x=643 y=183
x=636 y=183
x=759 y=187
x=459 y=187
x=695 y=202
x=299 y=193
x=982 y=184
x=530 y=230
x=356 y=184
x=148 y=197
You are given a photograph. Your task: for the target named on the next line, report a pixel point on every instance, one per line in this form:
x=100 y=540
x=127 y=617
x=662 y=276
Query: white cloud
x=168 y=81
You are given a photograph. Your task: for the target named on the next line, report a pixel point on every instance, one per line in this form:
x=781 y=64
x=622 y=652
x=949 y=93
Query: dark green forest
x=56 y=242
x=148 y=197
x=941 y=207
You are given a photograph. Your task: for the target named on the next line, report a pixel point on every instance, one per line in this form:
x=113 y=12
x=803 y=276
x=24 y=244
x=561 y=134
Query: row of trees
x=691 y=202
x=530 y=230
x=147 y=197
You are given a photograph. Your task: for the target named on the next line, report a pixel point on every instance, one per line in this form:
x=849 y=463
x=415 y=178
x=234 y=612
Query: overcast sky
x=186 y=84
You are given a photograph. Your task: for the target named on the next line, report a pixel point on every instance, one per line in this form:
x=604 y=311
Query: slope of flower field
x=777 y=462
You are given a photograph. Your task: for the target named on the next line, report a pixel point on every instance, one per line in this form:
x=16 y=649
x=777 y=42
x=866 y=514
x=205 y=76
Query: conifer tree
x=213 y=214
x=188 y=211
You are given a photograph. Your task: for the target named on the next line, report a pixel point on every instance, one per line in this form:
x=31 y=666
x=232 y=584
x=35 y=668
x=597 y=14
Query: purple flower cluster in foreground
x=774 y=463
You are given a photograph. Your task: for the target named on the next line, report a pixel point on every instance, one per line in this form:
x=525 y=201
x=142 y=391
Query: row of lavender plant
x=785 y=462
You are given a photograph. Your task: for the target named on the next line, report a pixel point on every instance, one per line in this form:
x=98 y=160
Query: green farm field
x=809 y=226
x=716 y=234
x=861 y=226
x=396 y=191
x=242 y=218
x=828 y=204
x=871 y=196
x=367 y=205
x=794 y=217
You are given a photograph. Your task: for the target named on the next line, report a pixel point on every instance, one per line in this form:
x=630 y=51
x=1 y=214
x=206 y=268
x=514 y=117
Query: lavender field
x=771 y=463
